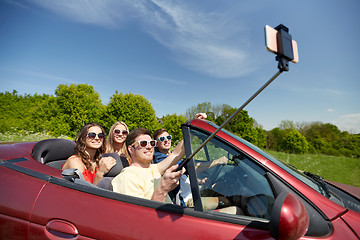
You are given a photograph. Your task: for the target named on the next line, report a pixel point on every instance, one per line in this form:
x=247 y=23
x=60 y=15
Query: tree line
x=75 y=105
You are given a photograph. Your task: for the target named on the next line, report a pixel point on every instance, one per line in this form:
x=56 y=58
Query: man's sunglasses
x=168 y=137
x=144 y=143
x=118 y=131
x=92 y=135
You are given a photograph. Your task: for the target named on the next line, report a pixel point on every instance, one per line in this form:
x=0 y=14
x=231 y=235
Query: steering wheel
x=213 y=177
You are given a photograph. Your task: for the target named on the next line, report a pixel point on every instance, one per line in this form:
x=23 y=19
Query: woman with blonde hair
x=116 y=140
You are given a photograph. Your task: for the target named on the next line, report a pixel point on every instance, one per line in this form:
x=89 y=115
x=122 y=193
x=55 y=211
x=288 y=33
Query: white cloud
x=98 y=12
x=331 y=110
x=348 y=122
x=169 y=80
x=202 y=41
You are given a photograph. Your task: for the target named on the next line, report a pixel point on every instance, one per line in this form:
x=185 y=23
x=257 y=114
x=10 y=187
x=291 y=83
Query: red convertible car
x=273 y=200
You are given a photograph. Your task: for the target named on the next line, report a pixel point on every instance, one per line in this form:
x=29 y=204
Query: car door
x=73 y=211
x=243 y=181
x=220 y=170
x=18 y=193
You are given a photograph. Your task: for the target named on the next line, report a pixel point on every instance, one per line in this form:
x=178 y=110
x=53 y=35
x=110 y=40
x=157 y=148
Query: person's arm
x=105 y=164
x=74 y=161
x=168 y=182
x=173 y=158
x=202 y=166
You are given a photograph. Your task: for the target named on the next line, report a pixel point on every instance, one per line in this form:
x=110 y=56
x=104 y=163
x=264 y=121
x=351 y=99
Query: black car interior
x=53 y=152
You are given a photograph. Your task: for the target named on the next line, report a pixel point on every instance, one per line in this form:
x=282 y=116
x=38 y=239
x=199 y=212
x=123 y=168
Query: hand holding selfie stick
x=284 y=55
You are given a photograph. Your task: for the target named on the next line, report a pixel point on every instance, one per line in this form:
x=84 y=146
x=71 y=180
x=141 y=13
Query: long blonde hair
x=110 y=141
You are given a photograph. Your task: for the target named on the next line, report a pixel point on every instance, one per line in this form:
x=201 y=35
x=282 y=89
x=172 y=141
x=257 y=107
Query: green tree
x=274 y=138
x=43 y=109
x=286 y=124
x=76 y=106
x=11 y=106
x=322 y=137
x=242 y=125
x=135 y=110
x=22 y=111
x=294 y=142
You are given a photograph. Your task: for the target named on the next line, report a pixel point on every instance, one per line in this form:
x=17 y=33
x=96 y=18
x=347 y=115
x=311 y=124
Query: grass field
x=26 y=136
x=338 y=169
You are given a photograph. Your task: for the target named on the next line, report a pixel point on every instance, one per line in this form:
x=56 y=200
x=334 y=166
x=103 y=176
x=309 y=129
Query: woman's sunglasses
x=123 y=132
x=92 y=135
x=168 y=137
x=144 y=143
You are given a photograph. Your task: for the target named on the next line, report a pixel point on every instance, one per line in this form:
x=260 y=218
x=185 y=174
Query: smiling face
x=94 y=142
x=141 y=156
x=120 y=133
x=165 y=145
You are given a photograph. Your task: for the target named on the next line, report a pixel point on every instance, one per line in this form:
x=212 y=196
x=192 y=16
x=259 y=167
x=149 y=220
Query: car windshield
x=288 y=168
x=228 y=180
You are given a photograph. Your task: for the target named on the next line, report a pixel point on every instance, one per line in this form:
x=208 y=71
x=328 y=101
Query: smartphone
x=182 y=164
x=271 y=43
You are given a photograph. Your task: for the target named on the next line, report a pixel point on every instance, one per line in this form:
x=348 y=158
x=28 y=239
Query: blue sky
x=181 y=53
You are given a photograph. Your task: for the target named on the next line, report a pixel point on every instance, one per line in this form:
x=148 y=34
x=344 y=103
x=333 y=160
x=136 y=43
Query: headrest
x=53 y=150
x=121 y=163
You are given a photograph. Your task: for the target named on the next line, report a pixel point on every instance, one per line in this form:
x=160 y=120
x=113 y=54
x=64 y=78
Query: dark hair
x=80 y=148
x=159 y=132
x=134 y=134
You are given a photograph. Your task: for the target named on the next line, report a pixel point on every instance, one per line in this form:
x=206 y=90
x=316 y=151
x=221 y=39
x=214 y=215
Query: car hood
x=355 y=191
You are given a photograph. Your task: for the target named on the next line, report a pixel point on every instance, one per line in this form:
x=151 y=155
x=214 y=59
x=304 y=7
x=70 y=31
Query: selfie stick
x=284 y=55
x=229 y=119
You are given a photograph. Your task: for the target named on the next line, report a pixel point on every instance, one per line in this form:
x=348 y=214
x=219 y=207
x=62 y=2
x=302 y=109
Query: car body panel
x=16 y=201
x=351 y=218
x=16 y=151
x=121 y=220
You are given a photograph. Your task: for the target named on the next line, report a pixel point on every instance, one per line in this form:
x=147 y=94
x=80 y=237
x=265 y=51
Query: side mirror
x=289 y=218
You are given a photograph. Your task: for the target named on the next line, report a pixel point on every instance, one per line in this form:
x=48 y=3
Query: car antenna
x=284 y=53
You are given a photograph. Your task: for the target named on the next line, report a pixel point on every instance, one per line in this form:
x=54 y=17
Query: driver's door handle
x=58 y=228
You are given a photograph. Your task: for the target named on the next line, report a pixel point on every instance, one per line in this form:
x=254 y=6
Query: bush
x=135 y=110
x=294 y=142
x=172 y=124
